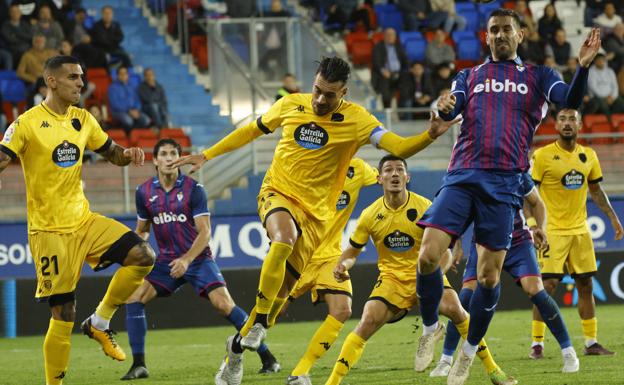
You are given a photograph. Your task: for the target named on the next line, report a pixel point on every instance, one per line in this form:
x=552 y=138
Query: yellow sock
x=250 y=321
x=349 y=355
x=56 y=348
x=276 y=308
x=538 y=330
x=482 y=352
x=125 y=281
x=272 y=276
x=590 y=330
x=320 y=343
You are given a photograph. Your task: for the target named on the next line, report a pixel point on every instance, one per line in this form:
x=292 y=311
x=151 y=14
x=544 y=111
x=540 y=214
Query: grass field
x=191 y=356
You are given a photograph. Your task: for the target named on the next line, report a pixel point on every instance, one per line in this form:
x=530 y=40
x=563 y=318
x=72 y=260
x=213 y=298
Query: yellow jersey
x=395 y=234
x=312 y=157
x=563 y=179
x=359 y=174
x=50 y=147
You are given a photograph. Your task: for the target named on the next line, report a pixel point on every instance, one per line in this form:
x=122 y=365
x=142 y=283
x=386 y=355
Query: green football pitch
x=191 y=356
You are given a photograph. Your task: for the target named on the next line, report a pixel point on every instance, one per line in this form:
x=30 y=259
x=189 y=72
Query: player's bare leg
x=136 y=265
x=587 y=312
x=339 y=311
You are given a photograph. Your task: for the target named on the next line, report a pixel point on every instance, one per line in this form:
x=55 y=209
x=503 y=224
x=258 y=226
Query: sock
x=482 y=350
x=430 y=329
x=482 y=299
x=538 y=329
x=552 y=317
x=350 y=354
x=429 y=288
x=452 y=334
x=446 y=358
x=276 y=308
x=272 y=276
x=125 y=281
x=320 y=343
x=236 y=346
x=568 y=350
x=590 y=331
x=238 y=317
x=56 y=348
x=136 y=324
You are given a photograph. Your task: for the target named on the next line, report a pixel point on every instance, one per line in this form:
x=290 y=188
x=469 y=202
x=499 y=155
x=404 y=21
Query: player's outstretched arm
x=120 y=156
x=406 y=147
x=4 y=162
x=535 y=212
x=236 y=139
x=599 y=196
x=345 y=263
x=180 y=265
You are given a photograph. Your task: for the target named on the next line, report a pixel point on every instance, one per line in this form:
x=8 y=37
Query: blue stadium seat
x=415 y=49
x=473 y=21
x=461 y=35
x=485 y=10
x=13 y=90
x=469 y=49
x=468 y=6
x=388 y=15
x=409 y=35
x=8 y=75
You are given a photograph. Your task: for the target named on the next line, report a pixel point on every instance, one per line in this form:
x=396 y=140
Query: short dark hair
x=504 y=12
x=334 y=69
x=166 y=141
x=56 y=62
x=123 y=68
x=388 y=158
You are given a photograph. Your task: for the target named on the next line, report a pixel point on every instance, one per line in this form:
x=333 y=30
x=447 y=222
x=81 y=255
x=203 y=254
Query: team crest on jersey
x=412 y=214
x=311 y=136
x=66 y=154
x=583 y=157
x=343 y=200
x=520 y=68
x=399 y=241
x=180 y=196
x=573 y=180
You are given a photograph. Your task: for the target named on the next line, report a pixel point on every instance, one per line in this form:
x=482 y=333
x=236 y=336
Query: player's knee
x=429 y=256
x=63 y=307
x=284 y=236
x=453 y=311
x=550 y=285
x=141 y=254
x=585 y=286
x=223 y=305
x=368 y=325
x=341 y=313
x=488 y=279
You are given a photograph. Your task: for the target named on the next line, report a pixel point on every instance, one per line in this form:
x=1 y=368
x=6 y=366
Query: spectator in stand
x=90 y=56
x=240 y=8
x=442 y=79
x=17 y=33
x=97 y=113
x=31 y=64
x=27 y=9
x=525 y=16
x=614 y=46
x=76 y=30
x=153 y=99
x=6 y=58
x=37 y=94
x=390 y=66
x=443 y=15
x=593 y=8
x=549 y=23
x=107 y=35
x=360 y=16
x=570 y=70
x=336 y=19
x=550 y=62
x=49 y=27
x=439 y=51
x=559 y=48
x=603 y=95
x=608 y=19
x=416 y=90
x=125 y=104
x=532 y=49
x=415 y=13
x=289 y=86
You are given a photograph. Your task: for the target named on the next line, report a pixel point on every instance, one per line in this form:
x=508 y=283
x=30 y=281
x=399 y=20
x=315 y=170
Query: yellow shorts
x=311 y=230
x=398 y=293
x=318 y=278
x=59 y=257
x=576 y=252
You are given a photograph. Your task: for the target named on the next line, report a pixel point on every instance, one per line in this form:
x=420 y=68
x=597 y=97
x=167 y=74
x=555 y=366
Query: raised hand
x=446 y=103
x=135 y=155
x=590 y=47
x=196 y=160
x=439 y=126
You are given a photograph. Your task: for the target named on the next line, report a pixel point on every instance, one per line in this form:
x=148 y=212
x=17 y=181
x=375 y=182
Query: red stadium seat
x=12 y=110
x=147 y=144
x=601 y=128
x=377 y=37
x=461 y=64
x=97 y=72
x=352 y=37
x=138 y=134
x=101 y=88
x=509 y=4
x=171 y=133
x=616 y=119
x=199 y=50
x=362 y=52
x=590 y=120
x=482 y=35
x=117 y=133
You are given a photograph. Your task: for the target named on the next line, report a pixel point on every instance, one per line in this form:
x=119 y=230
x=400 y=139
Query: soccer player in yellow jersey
x=391 y=223
x=321 y=133
x=318 y=275
x=50 y=140
x=564 y=172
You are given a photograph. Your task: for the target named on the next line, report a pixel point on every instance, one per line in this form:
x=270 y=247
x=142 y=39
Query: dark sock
x=238 y=317
x=429 y=288
x=262 y=319
x=236 y=346
x=552 y=317
x=138 y=359
x=136 y=324
x=482 y=299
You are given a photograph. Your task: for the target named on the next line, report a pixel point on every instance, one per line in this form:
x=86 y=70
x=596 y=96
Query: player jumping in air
x=50 y=140
x=321 y=133
x=564 y=172
x=502 y=101
x=175 y=206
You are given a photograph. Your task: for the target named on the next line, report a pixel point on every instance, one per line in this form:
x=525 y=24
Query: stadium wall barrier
x=186 y=309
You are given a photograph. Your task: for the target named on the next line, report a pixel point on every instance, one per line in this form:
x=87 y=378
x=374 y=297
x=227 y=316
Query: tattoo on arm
x=601 y=199
x=4 y=161
x=115 y=154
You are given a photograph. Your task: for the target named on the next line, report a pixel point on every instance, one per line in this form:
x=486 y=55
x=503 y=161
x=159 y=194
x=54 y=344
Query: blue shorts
x=488 y=198
x=520 y=261
x=203 y=274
